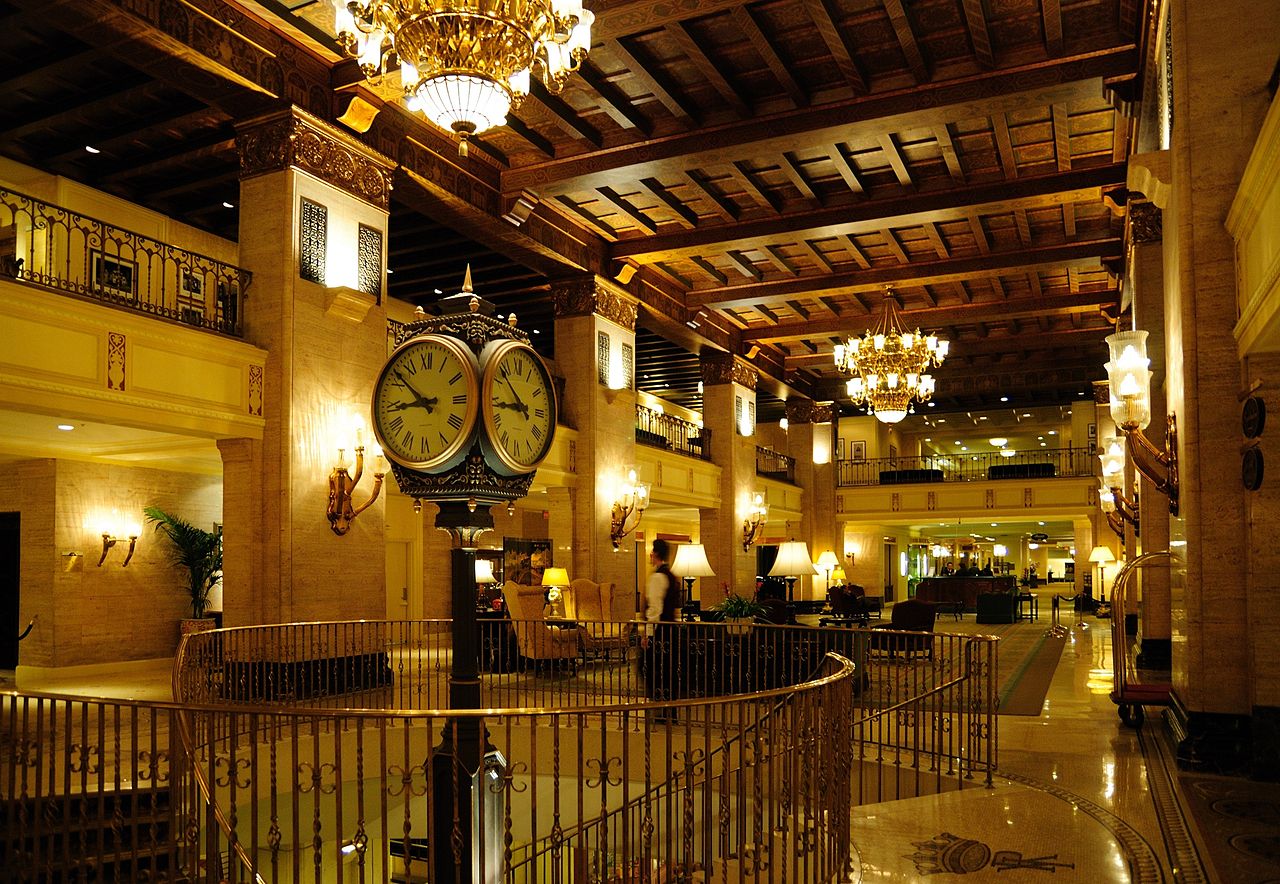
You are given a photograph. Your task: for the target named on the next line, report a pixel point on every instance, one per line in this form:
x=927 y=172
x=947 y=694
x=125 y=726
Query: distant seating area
x=1022 y=471
x=906 y=477
x=912 y=615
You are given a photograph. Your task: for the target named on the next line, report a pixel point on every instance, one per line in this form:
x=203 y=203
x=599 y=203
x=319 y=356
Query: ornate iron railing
x=657 y=429
x=47 y=245
x=1046 y=463
x=775 y=465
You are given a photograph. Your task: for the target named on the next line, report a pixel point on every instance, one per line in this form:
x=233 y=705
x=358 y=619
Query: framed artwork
x=858 y=451
x=113 y=276
x=191 y=298
x=893 y=455
x=523 y=561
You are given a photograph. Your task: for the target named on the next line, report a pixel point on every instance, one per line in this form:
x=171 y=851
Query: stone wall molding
x=725 y=368
x=588 y=295
x=294 y=138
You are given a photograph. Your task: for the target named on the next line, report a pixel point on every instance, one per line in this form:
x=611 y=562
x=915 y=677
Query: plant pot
x=189 y=625
x=738 y=625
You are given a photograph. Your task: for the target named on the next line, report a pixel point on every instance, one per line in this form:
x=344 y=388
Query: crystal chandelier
x=466 y=63
x=889 y=365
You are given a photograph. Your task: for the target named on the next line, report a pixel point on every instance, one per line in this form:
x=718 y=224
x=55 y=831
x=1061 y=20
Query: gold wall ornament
x=629 y=504
x=757 y=518
x=342 y=510
x=595 y=295
x=1130 y=389
x=465 y=64
x=724 y=368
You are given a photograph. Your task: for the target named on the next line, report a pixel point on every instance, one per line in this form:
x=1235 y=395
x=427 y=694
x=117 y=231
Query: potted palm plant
x=739 y=612
x=199 y=553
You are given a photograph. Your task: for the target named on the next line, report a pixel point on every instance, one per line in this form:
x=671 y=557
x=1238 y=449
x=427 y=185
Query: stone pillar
x=1083 y=539
x=810 y=435
x=313 y=220
x=728 y=410
x=242 y=604
x=1220 y=72
x=595 y=349
x=560 y=522
x=1147 y=275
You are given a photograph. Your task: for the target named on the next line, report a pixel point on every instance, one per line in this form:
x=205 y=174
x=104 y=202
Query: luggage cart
x=1129 y=694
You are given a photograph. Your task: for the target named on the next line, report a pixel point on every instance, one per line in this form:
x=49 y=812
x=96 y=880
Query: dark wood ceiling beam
x=721 y=205
x=895 y=247
x=564 y=116
x=935 y=238
x=746 y=23
x=529 y=135
x=1004 y=145
x=650 y=81
x=205 y=181
x=747 y=182
x=620 y=203
x=777 y=259
x=976 y=18
x=613 y=101
x=597 y=224
x=979 y=233
x=1023 y=224
x=891 y=153
x=920 y=273
x=791 y=167
x=50 y=68
x=683 y=215
x=1062 y=137
x=1052 y=12
x=1020 y=308
x=1069 y=219
x=863 y=216
x=898 y=17
x=710 y=270
x=855 y=251
x=845 y=166
x=842 y=51
x=818 y=258
x=947 y=148
x=110 y=94
x=929 y=297
x=747 y=268
x=692 y=51
x=185 y=153
x=832 y=305
x=856 y=120
x=180 y=115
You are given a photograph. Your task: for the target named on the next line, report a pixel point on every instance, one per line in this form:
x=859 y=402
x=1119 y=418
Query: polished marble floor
x=1081 y=797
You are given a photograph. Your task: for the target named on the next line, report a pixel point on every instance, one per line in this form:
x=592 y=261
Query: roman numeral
x=407 y=439
x=539 y=412
x=504 y=437
x=444 y=439
x=537 y=432
x=455 y=421
x=539 y=392
x=453 y=380
x=427 y=359
x=460 y=399
x=396 y=424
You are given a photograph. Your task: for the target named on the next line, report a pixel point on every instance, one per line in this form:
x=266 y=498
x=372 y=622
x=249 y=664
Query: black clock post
x=472 y=473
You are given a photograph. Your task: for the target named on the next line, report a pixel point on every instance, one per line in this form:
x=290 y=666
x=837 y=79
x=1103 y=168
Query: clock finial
x=466 y=281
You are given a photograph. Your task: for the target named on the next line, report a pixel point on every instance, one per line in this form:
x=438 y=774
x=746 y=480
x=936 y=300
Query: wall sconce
x=851 y=553
x=342 y=510
x=555 y=579
x=117 y=533
x=1130 y=383
x=631 y=501
x=691 y=563
x=757 y=517
x=1118 y=508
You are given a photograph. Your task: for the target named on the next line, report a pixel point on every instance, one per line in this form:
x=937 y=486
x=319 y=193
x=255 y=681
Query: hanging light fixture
x=889 y=365
x=466 y=63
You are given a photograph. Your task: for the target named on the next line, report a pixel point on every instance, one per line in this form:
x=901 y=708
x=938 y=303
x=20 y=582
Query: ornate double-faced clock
x=464 y=409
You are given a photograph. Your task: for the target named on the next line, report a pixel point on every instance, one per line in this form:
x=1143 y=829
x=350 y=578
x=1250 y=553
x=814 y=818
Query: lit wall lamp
x=691 y=563
x=1130 y=383
x=1118 y=508
x=851 y=553
x=757 y=518
x=117 y=532
x=342 y=485
x=628 y=508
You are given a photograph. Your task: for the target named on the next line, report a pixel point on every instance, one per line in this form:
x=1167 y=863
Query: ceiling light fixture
x=66 y=428
x=463 y=63
x=227 y=205
x=999 y=441
x=889 y=365
x=1004 y=398
x=91 y=149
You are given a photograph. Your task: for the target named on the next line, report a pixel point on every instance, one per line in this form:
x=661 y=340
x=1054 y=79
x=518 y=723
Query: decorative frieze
x=799 y=410
x=1102 y=393
x=116 y=353
x=1146 y=224
x=295 y=138
x=590 y=295
x=723 y=368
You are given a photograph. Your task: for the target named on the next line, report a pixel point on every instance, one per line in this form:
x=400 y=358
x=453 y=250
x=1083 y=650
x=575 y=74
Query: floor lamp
x=792 y=561
x=828 y=563
x=691 y=563
x=1102 y=556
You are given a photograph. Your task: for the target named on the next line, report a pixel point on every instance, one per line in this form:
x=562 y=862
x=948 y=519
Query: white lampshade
x=1102 y=555
x=828 y=561
x=1107 y=499
x=555 y=577
x=1130 y=380
x=1112 y=458
x=793 y=560
x=691 y=561
x=462 y=103
x=484 y=571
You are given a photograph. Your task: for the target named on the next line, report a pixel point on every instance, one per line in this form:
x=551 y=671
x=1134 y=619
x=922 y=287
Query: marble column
x=313 y=221
x=810 y=436
x=728 y=410
x=595 y=349
x=242 y=604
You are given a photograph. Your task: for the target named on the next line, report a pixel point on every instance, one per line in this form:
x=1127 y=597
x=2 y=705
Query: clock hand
x=519 y=406
x=425 y=402
x=511 y=405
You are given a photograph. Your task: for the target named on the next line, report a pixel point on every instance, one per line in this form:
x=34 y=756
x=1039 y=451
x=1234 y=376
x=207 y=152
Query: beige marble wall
x=1220 y=75
x=721 y=529
x=41 y=559
x=818 y=525
x=1262 y=510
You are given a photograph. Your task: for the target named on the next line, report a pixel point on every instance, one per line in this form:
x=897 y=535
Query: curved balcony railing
x=1046 y=463
x=283 y=761
x=47 y=245
x=657 y=429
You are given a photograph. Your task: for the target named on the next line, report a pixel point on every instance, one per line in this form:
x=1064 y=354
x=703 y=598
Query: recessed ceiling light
x=942 y=420
x=1026 y=414
x=1044 y=444
x=537 y=331
x=1041 y=438
x=389 y=270
x=1040 y=523
x=932 y=404
x=91 y=149
x=1053 y=432
x=66 y=428
x=438 y=292
x=227 y=205
x=995 y=524
x=964 y=447
x=1068 y=411
x=928 y=439
x=957 y=441
x=1004 y=398
x=982 y=417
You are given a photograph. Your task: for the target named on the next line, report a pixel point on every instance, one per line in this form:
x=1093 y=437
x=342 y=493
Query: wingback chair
x=912 y=615
x=534 y=638
x=592 y=604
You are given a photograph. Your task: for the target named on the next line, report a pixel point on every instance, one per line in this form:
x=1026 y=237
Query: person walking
x=662 y=606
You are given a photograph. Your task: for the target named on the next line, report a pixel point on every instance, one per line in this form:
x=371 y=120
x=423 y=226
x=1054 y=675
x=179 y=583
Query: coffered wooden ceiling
x=758 y=172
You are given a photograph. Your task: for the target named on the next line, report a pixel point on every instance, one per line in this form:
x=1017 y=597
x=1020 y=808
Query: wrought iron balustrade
x=1045 y=463
x=775 y=465
x=46 y=245
x=657 y=429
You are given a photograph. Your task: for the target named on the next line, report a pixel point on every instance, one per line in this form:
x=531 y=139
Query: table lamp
x=484 y=576
x=1101 y=556
x=690 y=563
x=555 y=579
x=792 y=561
x=828 y=562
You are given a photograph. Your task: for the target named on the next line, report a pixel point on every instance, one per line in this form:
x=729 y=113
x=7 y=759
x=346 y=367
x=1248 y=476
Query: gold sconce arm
x=618 y=521
x=342 y=510
x=133 y=544
x=751 y=530
x=1159 y=467
x=107 y=542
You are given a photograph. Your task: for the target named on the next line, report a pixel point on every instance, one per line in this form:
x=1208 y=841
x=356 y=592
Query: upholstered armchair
x=912 y=615
x=534 y=638
x=591 y=604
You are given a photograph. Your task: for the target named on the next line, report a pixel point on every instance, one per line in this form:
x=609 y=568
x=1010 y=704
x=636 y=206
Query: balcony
x=658 y=430
x=772 y=464
x=1051 y=463
x=45 y=245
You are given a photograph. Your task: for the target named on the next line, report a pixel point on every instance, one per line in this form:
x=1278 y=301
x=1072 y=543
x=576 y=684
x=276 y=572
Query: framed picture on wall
x=858 y=451
x=113 y=276
x=523 y=561
x=893 y=455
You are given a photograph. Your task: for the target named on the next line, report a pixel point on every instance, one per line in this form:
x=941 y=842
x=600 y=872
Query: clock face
x=519 y=405
x=424 y=404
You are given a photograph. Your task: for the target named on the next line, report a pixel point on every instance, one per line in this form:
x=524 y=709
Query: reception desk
x=962 y=590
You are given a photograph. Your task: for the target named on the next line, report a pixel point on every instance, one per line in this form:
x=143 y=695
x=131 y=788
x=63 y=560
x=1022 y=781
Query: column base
x=1155 y=653
x=1265 y=744
x=1208 y=742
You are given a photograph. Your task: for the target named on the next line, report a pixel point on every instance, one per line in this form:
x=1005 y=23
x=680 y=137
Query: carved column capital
x=724 y=368
x=806 y=411
x=587 y=295
x=1145 y=222
x=294 y=138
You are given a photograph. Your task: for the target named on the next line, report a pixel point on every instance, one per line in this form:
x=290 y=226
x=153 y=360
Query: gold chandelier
x=889 y=365
x=466 y=63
